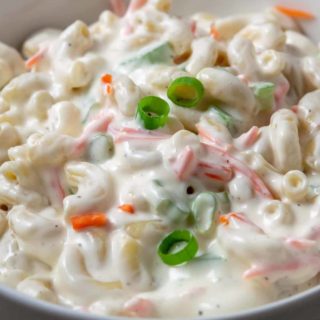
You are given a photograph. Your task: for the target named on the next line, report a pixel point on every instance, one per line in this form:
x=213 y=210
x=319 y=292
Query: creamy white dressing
x=263 y=243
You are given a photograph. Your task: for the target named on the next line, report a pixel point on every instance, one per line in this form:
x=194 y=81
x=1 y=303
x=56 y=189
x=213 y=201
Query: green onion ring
x=204 y=209
x=186 y=92
x=184 y=254
x=152 y=112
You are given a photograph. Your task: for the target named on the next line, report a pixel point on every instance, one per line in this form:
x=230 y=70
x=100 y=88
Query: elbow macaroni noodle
x=72 y=149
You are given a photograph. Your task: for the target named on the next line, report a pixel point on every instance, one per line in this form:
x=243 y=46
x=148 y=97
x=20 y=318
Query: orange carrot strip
x=215 y=172
x=89 y=220
x=98 y=124
x=295 y=13
x=109 y=89
x=218 y=148
x=56 y=184
x=295 y=108
x=127 y=207
x=252 y=136
x=281 y=92
x=142 y=308
x=257 y=183
x=300 y=244
x=119 y=7
x=224 y=220
x=106 y=78
x=185 y=164
x=35 y=59
x=214 y=177
x=193 y=27
x=214 y=33
x=208 y=138
x=291 y=266
x=127 y=134
x=136 y=5
x=241 y=218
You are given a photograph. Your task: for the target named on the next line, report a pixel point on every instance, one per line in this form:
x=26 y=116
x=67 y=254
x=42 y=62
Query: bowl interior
x=19 y=18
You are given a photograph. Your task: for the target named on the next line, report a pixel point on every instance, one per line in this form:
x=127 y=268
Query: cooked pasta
x=161 y=166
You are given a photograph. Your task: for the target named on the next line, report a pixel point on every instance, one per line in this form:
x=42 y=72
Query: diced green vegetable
x=71 y=191
x=100 y=148
x=156 y=54
x=171 y=211
x=224 y=117
x=152 y=112
x=204 y=210
x=223 y=201
x=264 y=93
x=186 y=92
x=158 y=182
x=178 y=247
x=94 y=108
x=208 y=257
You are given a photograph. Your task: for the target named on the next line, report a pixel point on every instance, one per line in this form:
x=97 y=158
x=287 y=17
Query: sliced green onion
x=204 y=209
x=158 y=182
x=153 y=112
x=225 y=118
x=100 y=148
x=264 y=93
x=178 y=247
x=208 y=257
x=186 y=92
x=160 y=53
x=168 y=209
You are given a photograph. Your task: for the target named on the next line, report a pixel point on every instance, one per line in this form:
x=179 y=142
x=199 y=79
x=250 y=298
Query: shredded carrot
x=119 y=7
x=300 y=244
x=215 y=172
x=35 y=59
x=257 y=183
x=185 y=163
x=214 y=33
x=106 y=78
x=252 y=136
x=281 y=92
x=240 y=217
x=291 y=266
x=238 y=166
x=296 y=13
x=56 y=184
x=136 y=5
x=193 y=27
x=214 y=177
x=126 y=134
x=212 y=141
x=109 y=89
x=141 y=308
x=224 y=220
x=294 y=109
x=97 y=219
x=98 y=124
x=128 y=208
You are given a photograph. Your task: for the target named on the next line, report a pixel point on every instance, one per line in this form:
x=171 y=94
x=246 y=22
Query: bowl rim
x=67 y=313
x=72 y=314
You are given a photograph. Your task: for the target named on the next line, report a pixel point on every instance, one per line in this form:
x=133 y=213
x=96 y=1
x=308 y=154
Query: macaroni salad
x=161 y=166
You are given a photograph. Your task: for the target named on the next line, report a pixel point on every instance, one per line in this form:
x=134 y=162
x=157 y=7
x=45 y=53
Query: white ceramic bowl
x=19 y=18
